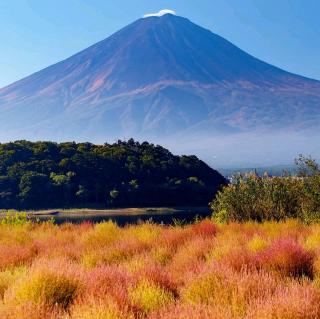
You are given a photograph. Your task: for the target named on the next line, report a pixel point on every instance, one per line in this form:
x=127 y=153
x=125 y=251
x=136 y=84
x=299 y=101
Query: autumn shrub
x=30 y=311
x=292 y=301
x=46 y=288
x=228 y=242
x=204 y=228
x=183 y=311
x=312 y=240
x=149 y=297
x=145 y=233
x=161 y=277
x=289 y=228
x=108 y=283
x=162 y=254
x=101 y=234
x=13 y=255
x=221 y=286
x=288 y=258
x=124 y=248
x=189 y=258
x=8 y=278
x=257 y=243
x=99 y=309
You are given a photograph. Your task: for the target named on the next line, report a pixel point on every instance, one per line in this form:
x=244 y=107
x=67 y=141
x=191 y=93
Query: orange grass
x=201 y=271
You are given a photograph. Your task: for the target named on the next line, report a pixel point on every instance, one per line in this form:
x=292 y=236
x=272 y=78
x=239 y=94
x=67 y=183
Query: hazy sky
x=37 y=33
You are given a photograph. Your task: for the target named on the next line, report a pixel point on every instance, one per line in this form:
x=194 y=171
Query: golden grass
x=250 y=271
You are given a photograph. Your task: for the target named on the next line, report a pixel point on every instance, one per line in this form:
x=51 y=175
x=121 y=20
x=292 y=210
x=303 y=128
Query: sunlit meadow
x=199 y=271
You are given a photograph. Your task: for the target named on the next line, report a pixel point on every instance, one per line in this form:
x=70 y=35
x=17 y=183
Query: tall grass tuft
x=149 y=297
x=288 y=258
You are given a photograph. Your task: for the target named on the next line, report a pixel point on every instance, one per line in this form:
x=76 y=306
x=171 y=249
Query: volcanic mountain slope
x=156 y=77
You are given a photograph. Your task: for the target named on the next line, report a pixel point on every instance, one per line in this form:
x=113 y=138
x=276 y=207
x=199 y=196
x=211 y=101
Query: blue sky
x=37 y=33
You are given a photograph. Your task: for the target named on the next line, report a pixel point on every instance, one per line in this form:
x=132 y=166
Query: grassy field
x=199 y=271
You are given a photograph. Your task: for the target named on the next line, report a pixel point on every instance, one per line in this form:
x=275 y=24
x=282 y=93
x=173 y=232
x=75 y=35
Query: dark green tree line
x=47 y=175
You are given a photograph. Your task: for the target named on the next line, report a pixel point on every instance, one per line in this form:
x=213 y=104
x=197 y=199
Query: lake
x=122 y=217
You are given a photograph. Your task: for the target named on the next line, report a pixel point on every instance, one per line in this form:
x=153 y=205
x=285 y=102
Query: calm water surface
x=165 y=217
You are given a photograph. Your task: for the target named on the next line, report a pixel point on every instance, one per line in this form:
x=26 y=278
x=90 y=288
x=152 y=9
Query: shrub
x=222 y=287
x=257 y=243
x=161 y=254
x=8 y=277
x=149 y=296
x=204 y=289
x=98 y=310
x=13 y=254
x=313 y=240
x=288 y=302
x=30 y=311
x=259 y=199
x=204 y=228
x=14 y=218
x=252 y=197
x=101 y=234
x=108 y=283
x=288 y=258
x=158 y=276
x=310 y=203
x=183 y=311
x=47 y=288
x=189 y=258
x=146 y=233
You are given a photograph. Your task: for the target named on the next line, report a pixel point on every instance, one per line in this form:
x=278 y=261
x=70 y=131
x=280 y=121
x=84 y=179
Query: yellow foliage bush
x=46 y=288
x=257 y=243
x=102 y=234
x=149 y=296
x=8 y=277
x=144 y=233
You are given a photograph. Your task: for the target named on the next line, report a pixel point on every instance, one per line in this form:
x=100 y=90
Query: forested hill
x=48 y=175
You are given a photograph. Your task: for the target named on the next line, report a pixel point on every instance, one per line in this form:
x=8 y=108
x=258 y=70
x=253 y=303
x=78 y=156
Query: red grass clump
x=183 y=311
x=108 y=282
x=16 y=255
x=291 y=301
x=204 y=228
x=288 y=258
x=159 y=276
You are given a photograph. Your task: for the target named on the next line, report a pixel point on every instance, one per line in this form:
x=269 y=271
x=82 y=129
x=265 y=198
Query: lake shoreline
x=121 y=216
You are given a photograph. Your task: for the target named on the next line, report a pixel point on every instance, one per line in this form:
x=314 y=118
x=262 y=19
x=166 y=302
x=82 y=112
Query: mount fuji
x=168 y=80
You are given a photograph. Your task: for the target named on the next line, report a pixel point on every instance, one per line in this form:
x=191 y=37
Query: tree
x=32 y=188
x=82 y=194
x=46 y=174
x=307 y=166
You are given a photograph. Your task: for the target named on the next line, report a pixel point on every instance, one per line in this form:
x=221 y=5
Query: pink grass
x=287 y=257
x=197 y=271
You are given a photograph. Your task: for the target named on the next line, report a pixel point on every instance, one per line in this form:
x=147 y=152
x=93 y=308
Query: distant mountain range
x=159 y=78
x=278 y=170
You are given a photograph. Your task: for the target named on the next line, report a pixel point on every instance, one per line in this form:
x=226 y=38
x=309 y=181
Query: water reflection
x=166 y=218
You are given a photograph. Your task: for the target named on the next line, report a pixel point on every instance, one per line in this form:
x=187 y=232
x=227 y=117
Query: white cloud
x=160 y=13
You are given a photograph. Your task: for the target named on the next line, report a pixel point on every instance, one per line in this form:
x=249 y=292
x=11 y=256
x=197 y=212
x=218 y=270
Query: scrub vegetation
x=202 y=270
x=260 y=198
